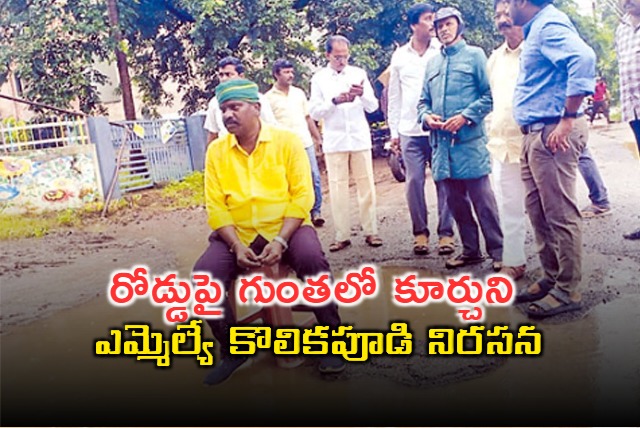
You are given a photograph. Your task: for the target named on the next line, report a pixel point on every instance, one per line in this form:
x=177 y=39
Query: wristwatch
x=568 y=115
x=280 y=240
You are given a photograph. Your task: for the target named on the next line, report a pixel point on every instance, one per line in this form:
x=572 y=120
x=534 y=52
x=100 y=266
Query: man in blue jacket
x=455 y=99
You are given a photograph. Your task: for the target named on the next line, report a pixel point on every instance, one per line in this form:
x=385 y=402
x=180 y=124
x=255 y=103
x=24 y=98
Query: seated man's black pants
x=304 y=256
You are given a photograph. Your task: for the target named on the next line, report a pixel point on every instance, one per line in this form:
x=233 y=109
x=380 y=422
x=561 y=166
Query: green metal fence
x=156 y=151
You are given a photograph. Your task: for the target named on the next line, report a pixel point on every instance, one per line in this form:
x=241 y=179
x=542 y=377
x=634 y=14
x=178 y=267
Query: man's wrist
x=280 y=240
x=570 y=115
x=234 y=245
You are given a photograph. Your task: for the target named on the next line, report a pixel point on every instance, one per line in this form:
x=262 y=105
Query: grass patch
x=13 y=226
x=186 y=193
x=37 y=225
x=69 y=217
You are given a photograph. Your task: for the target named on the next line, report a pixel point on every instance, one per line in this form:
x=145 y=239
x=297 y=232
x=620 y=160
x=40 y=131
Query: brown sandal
x=446 y=245
x=421 y=245
x=339 y=245
x=373 y=241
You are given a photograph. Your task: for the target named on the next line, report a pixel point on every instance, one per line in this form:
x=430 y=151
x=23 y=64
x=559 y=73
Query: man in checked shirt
x=628 y=48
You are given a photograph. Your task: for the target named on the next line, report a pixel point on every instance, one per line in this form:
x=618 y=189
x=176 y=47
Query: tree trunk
x=121 y=60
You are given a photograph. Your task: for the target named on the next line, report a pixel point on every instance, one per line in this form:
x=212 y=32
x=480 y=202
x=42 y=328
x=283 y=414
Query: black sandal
x=339 y=245
x=525 y=296
x=544 y=310
x=373 y=241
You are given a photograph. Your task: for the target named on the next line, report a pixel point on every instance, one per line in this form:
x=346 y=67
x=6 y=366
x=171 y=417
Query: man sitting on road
x=258 y=195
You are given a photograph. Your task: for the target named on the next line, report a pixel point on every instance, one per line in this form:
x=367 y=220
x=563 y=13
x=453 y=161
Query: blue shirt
x=555 y=64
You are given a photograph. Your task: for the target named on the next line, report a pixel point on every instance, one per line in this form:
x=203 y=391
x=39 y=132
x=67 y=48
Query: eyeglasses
x=340 y=57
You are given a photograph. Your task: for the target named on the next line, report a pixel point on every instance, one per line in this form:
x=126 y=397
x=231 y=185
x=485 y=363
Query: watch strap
x=280 y=240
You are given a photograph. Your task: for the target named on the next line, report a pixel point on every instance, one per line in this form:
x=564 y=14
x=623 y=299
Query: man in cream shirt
x=505 y=141
x=289 y=106
x=340 y=95
x=408 y=65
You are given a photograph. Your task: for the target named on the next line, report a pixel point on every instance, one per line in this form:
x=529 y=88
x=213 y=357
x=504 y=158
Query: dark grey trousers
x=416 y=152
x=462 y=195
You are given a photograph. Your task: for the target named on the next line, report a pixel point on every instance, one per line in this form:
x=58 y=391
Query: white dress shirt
x=213 y=122
x=345 y=126
x=405 y=86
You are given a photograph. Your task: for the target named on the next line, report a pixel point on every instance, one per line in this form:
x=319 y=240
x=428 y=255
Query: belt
x=540 y=124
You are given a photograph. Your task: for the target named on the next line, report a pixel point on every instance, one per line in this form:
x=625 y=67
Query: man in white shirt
x=230 y=68
x=408 y=65
x=340 y=95
x=289 y=106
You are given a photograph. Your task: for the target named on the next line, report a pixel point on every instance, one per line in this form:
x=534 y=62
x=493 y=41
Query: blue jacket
x=456 y=82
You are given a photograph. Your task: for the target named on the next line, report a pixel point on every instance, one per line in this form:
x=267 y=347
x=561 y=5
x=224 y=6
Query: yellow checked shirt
x=256 y=192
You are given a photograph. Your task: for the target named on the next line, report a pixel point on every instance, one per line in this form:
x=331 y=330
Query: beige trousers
x=550 y=185
x=361 y=166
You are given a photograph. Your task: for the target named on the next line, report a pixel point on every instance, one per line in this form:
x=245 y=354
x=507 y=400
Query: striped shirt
x=628 y=49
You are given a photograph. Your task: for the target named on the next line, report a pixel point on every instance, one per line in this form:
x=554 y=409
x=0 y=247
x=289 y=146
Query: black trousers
x=304 y=256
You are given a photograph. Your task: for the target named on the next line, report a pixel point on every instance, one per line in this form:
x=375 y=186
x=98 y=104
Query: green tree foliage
x=185 y=39
x=599 y=32
x=604 y=43
x=52 y=46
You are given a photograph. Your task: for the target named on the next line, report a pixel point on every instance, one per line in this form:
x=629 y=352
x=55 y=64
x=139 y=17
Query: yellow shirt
x=290 y=110
x=256 y=192
x=505 y=138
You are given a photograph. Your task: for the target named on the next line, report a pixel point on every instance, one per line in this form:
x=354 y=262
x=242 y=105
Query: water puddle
x=51 y=362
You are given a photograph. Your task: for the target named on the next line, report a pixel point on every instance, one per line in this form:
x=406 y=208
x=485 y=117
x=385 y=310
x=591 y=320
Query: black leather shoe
x=461 y=260
x=633 y=235
x=317 y=220
x=224 y=370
